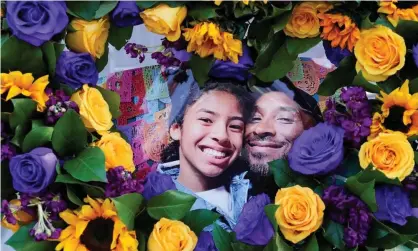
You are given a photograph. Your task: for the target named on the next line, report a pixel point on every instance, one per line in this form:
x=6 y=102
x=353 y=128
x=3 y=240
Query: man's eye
x=255 y=119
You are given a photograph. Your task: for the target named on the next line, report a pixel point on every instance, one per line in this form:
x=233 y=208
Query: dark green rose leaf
x=102 y=61
x=221 y=238
x=105 y=8
x=38 y=136
x=112 y=99
x=128 y=205
x=312 y=244
x=359 y=80
x=83 y=9
x=50 y=57
x=270 y=211
x=340 y=77
x=23 y=110
x=296 y=46
x=171 y=204
x=23 y=241
x=334 y=233
x=200 y=68
x=89 y=165
x=72 y=196
x=119 y=36
x=198 y=219
x=277 y=243
x=70 y=135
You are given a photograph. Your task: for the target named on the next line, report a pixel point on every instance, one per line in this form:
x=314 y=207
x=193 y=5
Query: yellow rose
x=94 y=110
x=304 y=21
x=90 y=36
x=117 y=151
x=165 y=20
x=301 y=212
x=21 y=216
x=380 y=53
x=390 y=153
x=171 y=235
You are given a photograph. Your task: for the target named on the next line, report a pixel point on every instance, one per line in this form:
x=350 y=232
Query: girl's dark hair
x=171 y=151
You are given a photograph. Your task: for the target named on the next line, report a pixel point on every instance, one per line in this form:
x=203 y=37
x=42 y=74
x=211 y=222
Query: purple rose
x=126 y=14
x=36 y=22
x=205 y=242
x=32 y=172
x=76 y=69
x=319 y=150
x=157 y=183
x=335 y=55
x=254 y=227
x=230 y=70
x=181 y=55
x=415 y=54
x=393 y=204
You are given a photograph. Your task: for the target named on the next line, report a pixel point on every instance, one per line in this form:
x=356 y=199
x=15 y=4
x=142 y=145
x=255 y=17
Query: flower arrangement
x=68 y=178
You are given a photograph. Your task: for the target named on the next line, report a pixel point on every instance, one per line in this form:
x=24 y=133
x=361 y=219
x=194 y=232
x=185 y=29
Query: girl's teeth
x=214 y=153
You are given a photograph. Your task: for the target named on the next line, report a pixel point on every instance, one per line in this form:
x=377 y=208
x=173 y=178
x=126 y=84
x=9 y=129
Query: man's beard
x=258 y=161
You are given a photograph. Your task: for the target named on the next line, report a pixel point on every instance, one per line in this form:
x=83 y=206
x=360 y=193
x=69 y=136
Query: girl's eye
x=206 y=120
x=286 y=120
x=237 y=127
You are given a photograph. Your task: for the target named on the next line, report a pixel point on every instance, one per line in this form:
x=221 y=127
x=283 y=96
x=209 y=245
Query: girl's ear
x=175 y=131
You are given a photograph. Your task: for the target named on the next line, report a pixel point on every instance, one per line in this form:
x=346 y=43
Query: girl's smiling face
x=211 y=134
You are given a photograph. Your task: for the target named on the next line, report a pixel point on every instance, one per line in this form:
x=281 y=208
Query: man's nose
x=265 y=127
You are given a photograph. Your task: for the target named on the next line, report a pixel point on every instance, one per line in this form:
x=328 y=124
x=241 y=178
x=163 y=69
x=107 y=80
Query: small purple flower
x=36 y=22
x=318 y=150
x=357 y=129
x=205 y=242
x=57 y=104
x=7 y=151
x=393 y=204
x=254 y=227
x=230 y=70
x=54 y=204
x=335 y=55
x=156 y=184
x=76 y=69
x=136 y=50
x=126 y=14
x=354 y=97
x=7 y=212
x=122 y=182
x=34 y=171
x=415 y=54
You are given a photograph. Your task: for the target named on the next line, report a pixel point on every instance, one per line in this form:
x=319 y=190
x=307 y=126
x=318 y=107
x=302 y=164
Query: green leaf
x=73 y=197
x=50 y=58
x=203 y=12
x=4 y=38
x=281 y=63
x=284 y=176
x=390 y=84
x=365 y=191
x=128 y=205
x=370 y=174
x=408 y=29
x=366 y=24
x=112 y=99
x=59 y=48
x=198 y=219
x=399 y=248
x=37 y=123
x=146 y=4
x=416 y=157
x=22 y=111
x=17 y=55
x=200 y=68
x=382 y=20
x=83 y=9
x=280 y=22
x=312 y=244
x=359 y=80
x=70 y=135
x=89 y=165
x=270 y=211
x=413 y=86
x=296 y=46
x=102 y=61
x=91 y=190
x=171 y=204
x=38 y=136
x=105 y=8
x=334 y=233
x=119 y=36
x=20 y=133
x=239 y=246
x=340 y=77
x=22 y=241
x=277 y=244
x=221 y=238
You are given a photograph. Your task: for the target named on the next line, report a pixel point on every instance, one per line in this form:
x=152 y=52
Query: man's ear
x=175 y=131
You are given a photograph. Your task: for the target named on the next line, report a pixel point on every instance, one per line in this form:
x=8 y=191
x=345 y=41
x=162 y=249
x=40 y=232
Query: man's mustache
x=267 y=139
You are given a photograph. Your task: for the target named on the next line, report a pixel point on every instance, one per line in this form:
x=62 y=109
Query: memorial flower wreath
x=68 y=178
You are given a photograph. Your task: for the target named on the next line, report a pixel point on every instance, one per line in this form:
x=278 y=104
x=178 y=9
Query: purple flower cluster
x=7 y=151
x=173 y=54
x=46 y=207
x=415 y=54
x=136 y=51
x=352 y=112
x=57 y=104
x=349 y=211
x=122 y=182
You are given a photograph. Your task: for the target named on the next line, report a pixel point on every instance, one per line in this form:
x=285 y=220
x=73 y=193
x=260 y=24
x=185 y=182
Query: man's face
x=269 y=135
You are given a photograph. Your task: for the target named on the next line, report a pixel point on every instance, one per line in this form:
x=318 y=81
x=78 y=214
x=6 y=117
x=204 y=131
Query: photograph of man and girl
x=222 y=138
